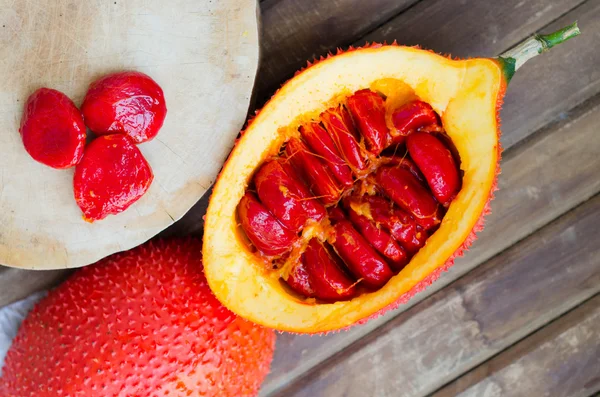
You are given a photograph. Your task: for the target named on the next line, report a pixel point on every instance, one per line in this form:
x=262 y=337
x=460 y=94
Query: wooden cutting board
x=204 y=54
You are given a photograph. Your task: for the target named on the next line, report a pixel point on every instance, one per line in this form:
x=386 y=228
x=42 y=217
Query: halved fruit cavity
x=352 y=194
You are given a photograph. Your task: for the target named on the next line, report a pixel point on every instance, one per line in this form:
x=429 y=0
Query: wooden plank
x=562 y=359
x=298 y=30
x=17 y=284
x=478 y=316
x=470 y=28
x=547 y=86
x=295 y=31
x=550 y=174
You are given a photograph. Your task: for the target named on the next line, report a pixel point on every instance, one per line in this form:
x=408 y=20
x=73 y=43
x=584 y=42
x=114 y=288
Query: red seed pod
x=449 y=145
x=112 y=175
x=325 y=270
x=380 y=240
x=407 y=164
x=52 y=129
x=401 y=225
x=282 y=192
x=338 y=124
x=358 y=255
x=437 y=164
x=264 y=231
x=300 y=281
x=368 y=111
x=410 y=117
x=125 y=102
x=406 y=191
x=319 y=140
x=313 y=170
x=336 y=214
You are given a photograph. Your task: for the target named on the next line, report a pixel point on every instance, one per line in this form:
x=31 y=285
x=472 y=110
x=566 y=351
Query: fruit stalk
x=514 y=58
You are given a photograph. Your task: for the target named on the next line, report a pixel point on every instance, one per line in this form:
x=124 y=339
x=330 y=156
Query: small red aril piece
x=412 y=116
x=264 y=231
x=340 y=127
x=380 y=240
x=280 y=190
x=407 y=164
x=437 y=164
x=405 y=190
x=360 y=257
x=125 y=102
x=52 y=129
x=315 y=172
x=320 y=141
x=112 y=175
x=299 y=280
x=401 y=225
x=368 y=110
x=324 y=268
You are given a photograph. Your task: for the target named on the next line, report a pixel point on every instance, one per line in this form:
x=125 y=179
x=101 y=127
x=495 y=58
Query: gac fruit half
x=139 y=323
x=357 y=184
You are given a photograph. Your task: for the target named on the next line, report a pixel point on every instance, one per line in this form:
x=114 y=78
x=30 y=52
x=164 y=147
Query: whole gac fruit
x=139 y=323
x=125 y=102
x=52 y=129
x=112 y=175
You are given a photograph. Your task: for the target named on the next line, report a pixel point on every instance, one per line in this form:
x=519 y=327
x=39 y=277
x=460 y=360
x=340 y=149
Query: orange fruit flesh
x=464 y=93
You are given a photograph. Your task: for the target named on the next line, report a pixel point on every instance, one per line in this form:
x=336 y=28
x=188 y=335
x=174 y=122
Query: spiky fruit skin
x=139 y=323
x=483 y=84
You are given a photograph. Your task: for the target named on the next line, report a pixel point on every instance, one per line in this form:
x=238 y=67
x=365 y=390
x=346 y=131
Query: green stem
x=514 y=58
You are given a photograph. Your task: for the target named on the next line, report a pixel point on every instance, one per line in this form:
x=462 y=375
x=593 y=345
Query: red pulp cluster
x=111 y=173
x=352 y=197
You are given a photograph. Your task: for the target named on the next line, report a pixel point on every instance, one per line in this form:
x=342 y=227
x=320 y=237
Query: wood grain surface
x=204 y=54
x=18 y=283
x=296 y=31
x=560 y=360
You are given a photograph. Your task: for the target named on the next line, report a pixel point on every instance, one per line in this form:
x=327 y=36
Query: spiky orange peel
x=258 y=266
x=139 y=323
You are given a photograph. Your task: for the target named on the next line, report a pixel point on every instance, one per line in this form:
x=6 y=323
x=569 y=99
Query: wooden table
x=519 y=315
